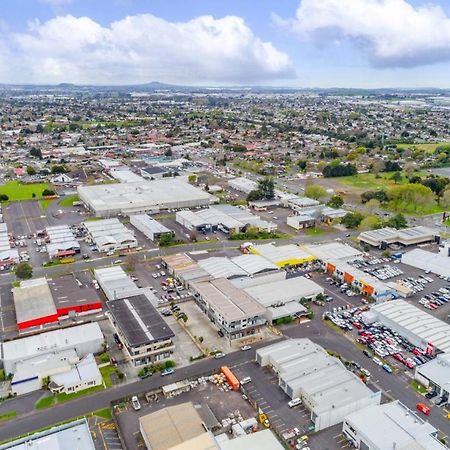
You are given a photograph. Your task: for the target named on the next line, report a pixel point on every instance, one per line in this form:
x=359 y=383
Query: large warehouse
x=438 y=263
x=116 y=284
x=420 y=328
x=106 y=200
x=327 y=389
x=384 y=237
x=283 y=255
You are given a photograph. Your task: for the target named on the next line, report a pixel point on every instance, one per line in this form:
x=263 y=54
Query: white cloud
x=395 y=33
x=143 y=48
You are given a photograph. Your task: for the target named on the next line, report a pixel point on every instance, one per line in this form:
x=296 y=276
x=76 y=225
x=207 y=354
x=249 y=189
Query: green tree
x=4 y=198
x=397 y=177
x=165 y=240
x=24 y=271
x=352 y=220
x=369 y=223
x=36 y=152
x=267 y=188
x=398 y=221
x=315 y=191
x=58 y=168
x=336 y=201
x=31 y=170
x=192 y=179
x=48 y=192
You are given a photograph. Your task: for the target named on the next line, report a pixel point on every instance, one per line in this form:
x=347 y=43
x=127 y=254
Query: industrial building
x=264 y=439
x=242 y=184
x=283 y=255
x=384 y=237
x=69 y=436
x=184 y=268
x=435 y=375
x=420 y=328
x=327 y=389
x=333 y=251
x=300 y=204
x=438 y=263
x=239 y=266
x=8 y=255
x=226 y=218
x=301 y=221
x=146 y=336
x=176 y=427
x=233 y=311
x=280 y=295
x=60 y=241
x=41 y=302
x=115 y=283
x=34 y=304
x=32 y=358
x=107 y=200
x=110 y=235
x=150 y=227
x=390 y=426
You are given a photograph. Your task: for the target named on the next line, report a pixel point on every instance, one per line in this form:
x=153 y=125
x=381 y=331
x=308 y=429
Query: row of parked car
x=435 y=299
x=385 y=272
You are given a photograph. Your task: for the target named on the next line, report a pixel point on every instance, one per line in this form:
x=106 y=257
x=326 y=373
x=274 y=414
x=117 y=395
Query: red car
x=357 y=325
x=417 y=352
x=423 y=408
x=398 y=357
x=362 y=340
x=408 y=364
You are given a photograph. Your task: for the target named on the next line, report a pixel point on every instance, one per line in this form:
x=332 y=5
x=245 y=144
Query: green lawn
x=418 y=387
x=68 y=201
x=51 y=400
x=427 y=147
x=104 y=413
x=8 y=415
x=44 y=402
x=18 y=191
x=314 y=232
x=106 y=372
x=368 y=181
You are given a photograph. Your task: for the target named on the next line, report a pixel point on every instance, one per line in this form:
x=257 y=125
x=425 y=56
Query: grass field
x=426 y=147
x=368 y=181
x=45 y=203
x=51 y=400
x=314 y=232
x=17 y=191
x=68 y=201
x=106 y=372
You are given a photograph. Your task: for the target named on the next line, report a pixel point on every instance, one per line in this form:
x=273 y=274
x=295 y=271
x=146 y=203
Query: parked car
x=219 y=355
x=167 y=372
x=246 y=347
x=135 y=403
x=294 y=402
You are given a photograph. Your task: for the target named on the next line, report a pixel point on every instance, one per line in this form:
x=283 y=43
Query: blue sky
x=304 y=43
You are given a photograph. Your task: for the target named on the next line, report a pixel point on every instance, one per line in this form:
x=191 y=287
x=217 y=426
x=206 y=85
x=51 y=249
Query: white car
x=135 y=403
x=294 y=402
x=246 y=347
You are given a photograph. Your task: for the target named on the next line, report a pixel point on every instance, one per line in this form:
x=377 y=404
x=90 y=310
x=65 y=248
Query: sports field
x=426 y=147
x=369 y=181
x=18 y=191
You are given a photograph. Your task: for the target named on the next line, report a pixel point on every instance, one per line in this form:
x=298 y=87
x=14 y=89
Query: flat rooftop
x=139 y=321
x=33 y=300
x=172 y=426
x=73 y=290
x=231 y=302
x=70 y=436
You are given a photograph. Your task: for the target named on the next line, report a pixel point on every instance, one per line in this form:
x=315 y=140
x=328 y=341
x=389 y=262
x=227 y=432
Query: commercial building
x=301 y=221
x=384 y=237
x=154 y=172
x=69 y=436
x=108 y=200
x=327 y=389
x=110 y=235
x=283 y=255
x=150 y=227
x=438 y=263
x=85 y=338
x=34 y=304
x=178 y=427
x=420 y=328
x=234 y=312
x=435 y=375
x=125 y=175
x=146 y=336
x=365 y=283
x=264 y=439
x=8 y=255
x=390 y=426
x=83 y=375
x=226 y=218
x=242 y=184
x=184 y=268
x=115 y=283
x=299 y=204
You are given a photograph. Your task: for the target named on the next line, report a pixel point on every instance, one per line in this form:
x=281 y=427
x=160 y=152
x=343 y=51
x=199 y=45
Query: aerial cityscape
x=224 y=225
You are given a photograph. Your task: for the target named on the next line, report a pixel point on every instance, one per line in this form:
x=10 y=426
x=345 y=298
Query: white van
x=246 y=380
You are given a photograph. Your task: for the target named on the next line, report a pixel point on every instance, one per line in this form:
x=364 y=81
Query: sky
x=294 y=43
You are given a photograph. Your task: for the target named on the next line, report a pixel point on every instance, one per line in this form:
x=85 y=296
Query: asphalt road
x=37 y=419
